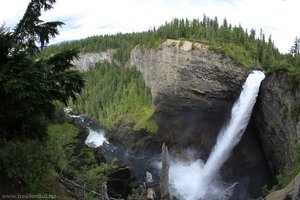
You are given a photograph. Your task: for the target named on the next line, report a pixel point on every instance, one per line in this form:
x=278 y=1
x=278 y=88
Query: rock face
x=277 y=118
x=193 y=89
x=186 y=75
x=87 y=60
x=201 y=85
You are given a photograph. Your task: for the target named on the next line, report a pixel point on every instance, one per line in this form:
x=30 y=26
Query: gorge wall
x=194 y=77
x=193 y=89
x=277 y=119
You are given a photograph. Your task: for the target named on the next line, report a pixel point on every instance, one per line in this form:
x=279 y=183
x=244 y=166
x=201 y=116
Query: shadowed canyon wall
x=277 y=119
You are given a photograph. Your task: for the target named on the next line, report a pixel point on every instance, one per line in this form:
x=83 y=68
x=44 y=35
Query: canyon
x=193 y=89
x=202 y=80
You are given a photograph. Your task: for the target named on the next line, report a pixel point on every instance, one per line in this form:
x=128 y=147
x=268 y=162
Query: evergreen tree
x=29 y=86
x=295 y=49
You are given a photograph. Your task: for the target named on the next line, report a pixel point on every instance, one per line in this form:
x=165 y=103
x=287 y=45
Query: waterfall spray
x=194 y=181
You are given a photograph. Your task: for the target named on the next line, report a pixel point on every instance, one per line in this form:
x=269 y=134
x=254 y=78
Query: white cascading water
x=95 y=138
x=195 y=180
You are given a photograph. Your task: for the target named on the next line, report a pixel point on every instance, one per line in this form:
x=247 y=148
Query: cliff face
x=277 y=119
x=87 y=60
x=190 y=76
x=193 y=89
x=193 y=77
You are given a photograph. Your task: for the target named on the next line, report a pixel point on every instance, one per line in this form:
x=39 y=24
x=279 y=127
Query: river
x=138 y=164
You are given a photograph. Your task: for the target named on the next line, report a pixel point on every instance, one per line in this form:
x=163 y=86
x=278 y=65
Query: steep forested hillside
x=116 y=95
x=102 y=100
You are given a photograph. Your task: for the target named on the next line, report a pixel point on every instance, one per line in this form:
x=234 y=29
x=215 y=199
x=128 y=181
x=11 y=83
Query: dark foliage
x=29 y=86
x=295 y=49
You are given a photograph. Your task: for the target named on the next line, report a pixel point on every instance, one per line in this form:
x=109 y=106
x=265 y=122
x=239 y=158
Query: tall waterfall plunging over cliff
x=196 y=180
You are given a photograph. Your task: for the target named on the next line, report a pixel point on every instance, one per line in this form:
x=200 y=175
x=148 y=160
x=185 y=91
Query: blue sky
x=84 y=18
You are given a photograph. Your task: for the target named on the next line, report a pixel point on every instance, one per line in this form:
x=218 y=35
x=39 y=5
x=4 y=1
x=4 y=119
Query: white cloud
x=94 y=17
x=11 y=11
x=275 y=17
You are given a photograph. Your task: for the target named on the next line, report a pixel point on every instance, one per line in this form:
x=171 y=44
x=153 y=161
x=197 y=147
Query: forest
x=115 y=95
x=247 y=47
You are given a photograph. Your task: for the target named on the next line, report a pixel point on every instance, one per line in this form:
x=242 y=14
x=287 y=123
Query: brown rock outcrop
x=183 y=74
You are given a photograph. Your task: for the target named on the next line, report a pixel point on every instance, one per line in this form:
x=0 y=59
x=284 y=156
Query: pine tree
x=295 y=49
x=30 y=84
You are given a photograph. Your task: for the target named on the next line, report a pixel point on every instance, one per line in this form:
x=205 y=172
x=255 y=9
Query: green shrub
x=236 y=52
x=60 y=144
x=290 y=172
x=98 y=175
x=25 y=162
x=193 y=46
x=180 y=43
x=293 y=77
x=173 y=44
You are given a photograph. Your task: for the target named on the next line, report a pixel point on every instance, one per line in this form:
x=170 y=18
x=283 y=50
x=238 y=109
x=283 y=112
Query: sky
x=84 y=18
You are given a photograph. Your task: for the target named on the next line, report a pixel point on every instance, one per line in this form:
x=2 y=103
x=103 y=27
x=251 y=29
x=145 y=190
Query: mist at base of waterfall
x=187 y=181
x=195 y=180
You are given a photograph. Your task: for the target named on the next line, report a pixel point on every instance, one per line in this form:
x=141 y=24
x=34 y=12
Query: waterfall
x=195 y=180
x=233 y=131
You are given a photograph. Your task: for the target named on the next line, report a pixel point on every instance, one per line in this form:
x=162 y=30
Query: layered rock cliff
x=87 y=60
x=187 y=75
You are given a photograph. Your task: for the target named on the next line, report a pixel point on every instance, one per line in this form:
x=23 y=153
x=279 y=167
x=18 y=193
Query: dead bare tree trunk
x=229 y=191
x=84 y=187
x=103 y=189
x=150 y=191
x=103 y=192
x=296 y=195
x=164 y=176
